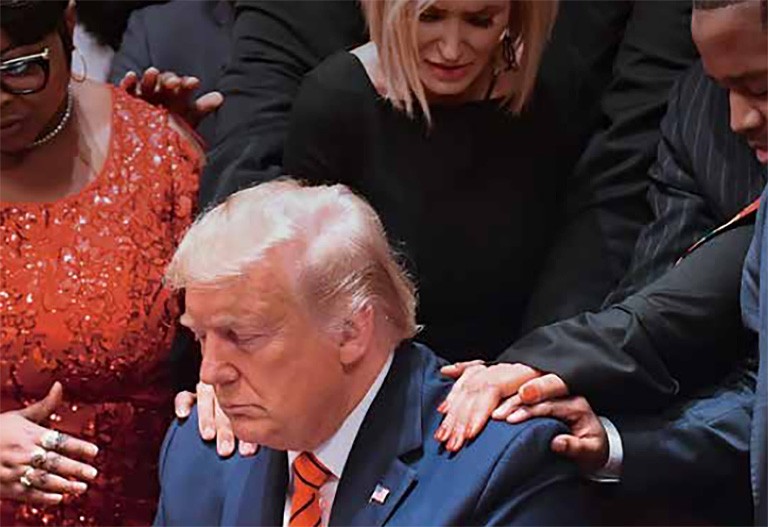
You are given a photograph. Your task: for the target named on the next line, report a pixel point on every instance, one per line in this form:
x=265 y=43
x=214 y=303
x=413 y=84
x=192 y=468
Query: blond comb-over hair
x=345 y=262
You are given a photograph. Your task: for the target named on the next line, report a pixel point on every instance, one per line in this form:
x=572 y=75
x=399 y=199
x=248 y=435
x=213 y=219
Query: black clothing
x=188 y=38
x=663 y=328
x=470 y=201
x=606 y=206
x=275 y=42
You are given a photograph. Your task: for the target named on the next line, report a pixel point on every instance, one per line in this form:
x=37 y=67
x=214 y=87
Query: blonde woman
x=429 y=122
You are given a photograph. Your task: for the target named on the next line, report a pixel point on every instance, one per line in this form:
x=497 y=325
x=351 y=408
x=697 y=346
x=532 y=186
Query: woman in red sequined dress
x=95 y=190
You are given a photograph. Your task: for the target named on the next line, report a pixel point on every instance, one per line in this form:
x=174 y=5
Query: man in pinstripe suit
x=669 y=333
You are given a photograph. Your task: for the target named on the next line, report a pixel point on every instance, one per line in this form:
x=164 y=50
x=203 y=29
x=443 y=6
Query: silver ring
x=24 y=479
x=52 y=440
x=38 y=458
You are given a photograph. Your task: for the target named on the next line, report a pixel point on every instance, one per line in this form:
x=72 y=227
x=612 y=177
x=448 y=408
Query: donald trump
x=306 y=322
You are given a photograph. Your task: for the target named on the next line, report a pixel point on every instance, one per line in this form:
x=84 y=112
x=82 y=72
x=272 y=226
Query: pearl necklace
x=59 y=127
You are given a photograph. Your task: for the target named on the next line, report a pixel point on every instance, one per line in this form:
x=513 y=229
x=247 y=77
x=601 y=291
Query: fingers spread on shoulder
x=247 y=449
x=183 y=403
x=456 y=369
x=225 y=439
x=465 y=382
x=206 y=411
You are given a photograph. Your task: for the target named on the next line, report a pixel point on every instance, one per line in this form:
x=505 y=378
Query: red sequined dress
x=82 y=302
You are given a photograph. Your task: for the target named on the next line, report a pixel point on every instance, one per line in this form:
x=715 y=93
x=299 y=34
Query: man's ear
x=356 y=335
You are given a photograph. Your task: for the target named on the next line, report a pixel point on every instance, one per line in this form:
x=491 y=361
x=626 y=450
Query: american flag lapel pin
x=380 y=494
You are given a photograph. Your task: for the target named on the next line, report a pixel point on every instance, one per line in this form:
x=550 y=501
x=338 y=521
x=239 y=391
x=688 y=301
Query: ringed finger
x=68 y=468
x=55 y=484
x=55 y=441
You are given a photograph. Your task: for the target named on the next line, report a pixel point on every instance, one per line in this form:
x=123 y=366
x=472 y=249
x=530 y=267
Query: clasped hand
x=506 y=392
x=515 y=393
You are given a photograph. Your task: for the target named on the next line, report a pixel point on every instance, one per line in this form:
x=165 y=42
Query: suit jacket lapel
x=262 y=496
x=390 y=432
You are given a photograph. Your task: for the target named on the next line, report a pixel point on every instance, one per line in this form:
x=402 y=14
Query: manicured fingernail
x=471 y=430
x=90 y=472
x=56 y=498
x=444 y=432
x=226 y=445
x=529 y=393
x=209 y=433
x=182 y=413
x=93 y=450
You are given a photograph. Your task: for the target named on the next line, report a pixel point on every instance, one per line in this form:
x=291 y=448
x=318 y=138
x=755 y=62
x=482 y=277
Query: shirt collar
x=334 y=452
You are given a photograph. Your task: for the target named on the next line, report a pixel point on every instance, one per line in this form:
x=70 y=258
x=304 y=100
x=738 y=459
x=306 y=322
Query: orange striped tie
x=308 y=476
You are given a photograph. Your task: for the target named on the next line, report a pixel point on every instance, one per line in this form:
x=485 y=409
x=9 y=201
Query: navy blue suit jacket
x=754 y=296
x=508 y=475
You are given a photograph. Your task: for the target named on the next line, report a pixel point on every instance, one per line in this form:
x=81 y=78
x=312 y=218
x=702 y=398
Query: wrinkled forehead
x=263 y=292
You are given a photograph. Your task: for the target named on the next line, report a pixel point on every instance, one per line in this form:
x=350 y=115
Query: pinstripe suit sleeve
x=632 y=354
x=681 y=212
x=607 y=206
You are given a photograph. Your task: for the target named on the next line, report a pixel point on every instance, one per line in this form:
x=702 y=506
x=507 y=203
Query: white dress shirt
x=611 y=471
x=333 y=453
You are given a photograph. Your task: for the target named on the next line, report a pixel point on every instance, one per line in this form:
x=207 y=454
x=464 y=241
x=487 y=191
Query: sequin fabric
x=82 y=302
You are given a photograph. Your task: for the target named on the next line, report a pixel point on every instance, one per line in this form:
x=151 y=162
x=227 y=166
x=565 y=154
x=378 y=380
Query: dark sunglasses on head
x=25 y=75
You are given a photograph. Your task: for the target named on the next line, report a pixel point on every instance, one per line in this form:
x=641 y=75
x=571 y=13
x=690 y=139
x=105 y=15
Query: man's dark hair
x=708 y=5
x=29 y=21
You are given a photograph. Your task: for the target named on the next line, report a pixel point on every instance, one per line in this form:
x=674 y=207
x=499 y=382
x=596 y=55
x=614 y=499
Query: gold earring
x=84 y=74
x=508 y=51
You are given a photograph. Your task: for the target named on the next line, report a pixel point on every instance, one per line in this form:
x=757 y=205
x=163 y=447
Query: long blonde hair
x=393 y=24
